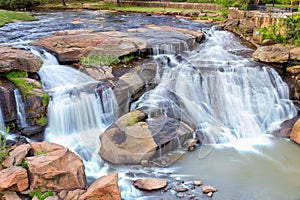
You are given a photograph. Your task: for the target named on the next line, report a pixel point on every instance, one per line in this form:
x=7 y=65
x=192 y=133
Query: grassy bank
x=10 y=16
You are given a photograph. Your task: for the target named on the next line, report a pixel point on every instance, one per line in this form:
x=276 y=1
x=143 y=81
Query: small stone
x=145 y=163
x=180 y=189
x=191 y=144
x=210 y=194
x=180 y=195
x=191 y=196
x=149 y=184
x=197 y=182
x=163 y=162
x=207 y=189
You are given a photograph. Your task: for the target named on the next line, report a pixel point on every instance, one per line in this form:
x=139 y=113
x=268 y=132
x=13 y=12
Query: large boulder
x=7 y=99
x=13 y=178
x=16 y=155
x=54 y=168
x=104 y=188
x=295 y=135
x=71 y=45
x=12 y=58
x=128 y=140
x=277 y=53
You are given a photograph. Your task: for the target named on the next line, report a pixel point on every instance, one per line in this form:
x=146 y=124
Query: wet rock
x=191 y=144
x=180 y=189
x=149 y=184
x=52 y=171
x=128 y=140
x=10 y=195
x=285 y=128
x=12 y=58
x=210 y=194
x=7 y=100
x=13 y=178
x=295 y=135
x=145 y=163
x=105 y=188
x=197 y=183
x=207 y=189
x=180 y=195
x=277 y=53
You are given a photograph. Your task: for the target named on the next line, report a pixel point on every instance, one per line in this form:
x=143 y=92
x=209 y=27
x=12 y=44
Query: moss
x=46 y=99
x=38 y=153
x=131 y=121
x=42 y=121
x=99 y=60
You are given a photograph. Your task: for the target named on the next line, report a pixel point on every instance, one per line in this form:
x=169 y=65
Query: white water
x=76 y=113
x=2 y=124
x=223 y=95
x=20 y=109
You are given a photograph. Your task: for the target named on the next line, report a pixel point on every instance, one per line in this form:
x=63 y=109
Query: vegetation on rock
x=4 y=150
x=10 y=16
x=40 y=195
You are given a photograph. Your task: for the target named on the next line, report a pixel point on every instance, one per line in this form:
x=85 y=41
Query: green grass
x=42 y=121
x=41 y=195
x=99 y=60
x=10 y=16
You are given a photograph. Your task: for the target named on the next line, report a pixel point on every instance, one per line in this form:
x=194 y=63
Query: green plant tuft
x=23 y=164
x=41 y=195
x=4 y=150
x=38 y=153
x=131 y=121
x=99 y=60
x=42 y=121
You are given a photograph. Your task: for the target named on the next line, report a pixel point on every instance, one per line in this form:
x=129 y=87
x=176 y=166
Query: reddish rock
x=295 y=53
x=104 y=188
x=19 y=153
x=10 y=195
x=7 y=99
x=56 y=169
x=13 y=178
x=197 y=183
x=208 y=189
x=295 y=135
x=71 y=195
x=149 y=184
x=277 y=53
x=12 y=58
x=293 y=69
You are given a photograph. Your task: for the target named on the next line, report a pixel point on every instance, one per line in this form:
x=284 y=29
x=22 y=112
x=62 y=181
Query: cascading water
x=2 y=124
x=78 y=110
x=218 y=92
x=20 y=109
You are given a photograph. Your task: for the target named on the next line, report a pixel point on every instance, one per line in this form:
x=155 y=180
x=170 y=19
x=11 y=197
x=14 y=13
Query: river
x=222 y=92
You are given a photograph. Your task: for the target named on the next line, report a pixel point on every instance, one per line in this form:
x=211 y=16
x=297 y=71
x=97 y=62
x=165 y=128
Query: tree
x=63 y=2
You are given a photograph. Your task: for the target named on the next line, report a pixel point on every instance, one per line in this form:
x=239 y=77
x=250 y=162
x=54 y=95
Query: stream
x=231 y=101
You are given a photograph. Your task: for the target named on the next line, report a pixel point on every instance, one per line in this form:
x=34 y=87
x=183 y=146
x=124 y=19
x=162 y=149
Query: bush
x=21 y=4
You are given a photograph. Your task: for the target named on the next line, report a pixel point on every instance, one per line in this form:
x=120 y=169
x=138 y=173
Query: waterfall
x=221 y=94
x=80 y=108
x=20 y=109
x=2 y=124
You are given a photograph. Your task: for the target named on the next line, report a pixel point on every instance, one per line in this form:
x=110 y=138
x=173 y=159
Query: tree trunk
x=118 y=3
x=63 y=2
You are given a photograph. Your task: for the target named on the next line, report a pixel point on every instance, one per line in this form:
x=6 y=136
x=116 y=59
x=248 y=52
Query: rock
x=197 y=183
x=295 y=53
x=104 y=188
x=149 y=184
x=128 y=140
x=13 y=178
x=277 y=53
x=210 y=194
x=180 y=189
x=293 y=69
x=133 y=84
x=191 y=143
x=10 y=195
x=180 y=195
x=268 y=42
x=295 y=135
x=19 y=153
x=145 y=163
x=52 y=171
x=207 y=189
x=7 y=100
x=71 y=45
x=12 y=58
x=52 y=198
x=71 y=195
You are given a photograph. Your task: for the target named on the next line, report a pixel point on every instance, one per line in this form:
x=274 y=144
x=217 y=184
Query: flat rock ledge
x=71 y=45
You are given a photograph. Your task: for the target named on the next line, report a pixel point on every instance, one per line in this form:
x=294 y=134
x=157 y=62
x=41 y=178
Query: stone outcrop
x=7 y=99
x=13 y=178
x=10 y=195
x=131 y=139
x=128 y=140
x=56 y=169
x=17 y=59
x=104 y=188
x=277 y=53
x=71 y=195
x=16 y=155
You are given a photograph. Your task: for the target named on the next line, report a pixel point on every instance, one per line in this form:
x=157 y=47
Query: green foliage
x=131 y=121
x=200 y=1
x=287 y=31
x=4 y=150
x=20 y=4
x=46 y=99
x=23 y=164
x=96 y=60
x=42 y=121
x=9 y=16
x=40 y=195
x=38 y=153
x=17 y=77
x=128 y=58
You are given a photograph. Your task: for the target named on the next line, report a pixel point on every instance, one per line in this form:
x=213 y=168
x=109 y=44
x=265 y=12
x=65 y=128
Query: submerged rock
x=149 y=184
x=54 y=168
